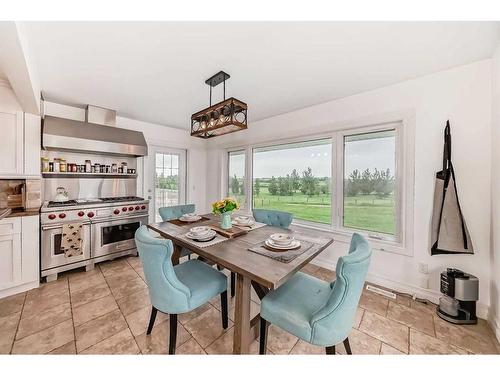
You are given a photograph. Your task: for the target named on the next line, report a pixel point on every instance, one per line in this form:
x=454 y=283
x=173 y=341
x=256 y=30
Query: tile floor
x=106 y=311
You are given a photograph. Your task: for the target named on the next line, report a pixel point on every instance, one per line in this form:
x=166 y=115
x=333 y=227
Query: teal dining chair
x=274 y=218
x=316 y=311
x=175 y=212
x=177 y=289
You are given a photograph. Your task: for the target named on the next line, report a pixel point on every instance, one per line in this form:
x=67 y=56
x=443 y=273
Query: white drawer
x=10 y=226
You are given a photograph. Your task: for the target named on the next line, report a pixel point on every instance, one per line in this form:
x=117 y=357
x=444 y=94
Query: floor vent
x=383 y=292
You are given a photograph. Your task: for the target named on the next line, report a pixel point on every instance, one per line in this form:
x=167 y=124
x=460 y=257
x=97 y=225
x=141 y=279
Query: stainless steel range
x=109 y=225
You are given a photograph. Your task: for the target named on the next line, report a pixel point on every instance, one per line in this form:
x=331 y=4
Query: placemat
x=281 y=256
x=218 y=239
x=255 y=225
x=181 y=223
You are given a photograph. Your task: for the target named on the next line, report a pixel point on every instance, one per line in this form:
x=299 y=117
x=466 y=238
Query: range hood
x=89 y=137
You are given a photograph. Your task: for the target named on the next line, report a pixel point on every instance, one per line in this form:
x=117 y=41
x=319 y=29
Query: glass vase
x=226 y=220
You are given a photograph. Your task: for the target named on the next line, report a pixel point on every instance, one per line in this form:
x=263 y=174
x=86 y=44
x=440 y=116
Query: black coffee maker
x=461 y=291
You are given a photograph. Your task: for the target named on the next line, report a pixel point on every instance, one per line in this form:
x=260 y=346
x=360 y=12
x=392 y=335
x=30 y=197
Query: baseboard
x=494 y=323
x=428 y=294
x=19 y=289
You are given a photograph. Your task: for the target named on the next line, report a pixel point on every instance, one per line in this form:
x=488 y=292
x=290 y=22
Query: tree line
x=379 y=182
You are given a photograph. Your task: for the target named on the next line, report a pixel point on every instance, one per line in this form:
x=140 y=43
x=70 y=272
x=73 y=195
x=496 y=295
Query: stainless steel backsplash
x=81 y=188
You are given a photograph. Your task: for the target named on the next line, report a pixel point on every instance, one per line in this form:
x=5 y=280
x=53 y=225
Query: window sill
x=344 y=236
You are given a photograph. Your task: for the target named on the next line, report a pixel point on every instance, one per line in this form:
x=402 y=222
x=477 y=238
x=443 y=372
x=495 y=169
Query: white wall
x=461 y=94
x=157 y=135
x=495 y=198
x=8 y=100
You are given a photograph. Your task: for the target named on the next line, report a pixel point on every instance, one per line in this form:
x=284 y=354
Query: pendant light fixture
x=227 y=116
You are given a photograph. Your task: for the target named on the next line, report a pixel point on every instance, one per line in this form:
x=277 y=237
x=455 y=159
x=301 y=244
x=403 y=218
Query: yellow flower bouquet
x=224 y=207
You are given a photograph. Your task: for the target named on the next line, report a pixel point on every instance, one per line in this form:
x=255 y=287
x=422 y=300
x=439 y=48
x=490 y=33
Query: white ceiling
x=156 y=71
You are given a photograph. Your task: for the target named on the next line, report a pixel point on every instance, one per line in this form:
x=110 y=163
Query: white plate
x=249 y=224
x=293 y=245
x=190 y=219
x=281 y=239
x=193 y=236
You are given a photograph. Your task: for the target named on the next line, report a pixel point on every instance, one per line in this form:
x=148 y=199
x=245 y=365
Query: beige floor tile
x=303 y=347
x=186 y=317
x=94 y=309
x=121 y=343
x=420 y=343
x=358 y=317
x=135 y=262
x=12 y=304
x=280 y=341
x=482 y=328
x=373 y=302
x=425 y=307
x=310 y=269
x=39 y=322
x=81 y=280
x=206 y=327
x=50 y=295
x=134 y=302
x=126 y=287
x=115 y=267
x=393 y=333
x=138 y=321
x=141 y=274
x=325 y=274
x=190 y=347
x=101 y=328
x=84 y=296
x=215 y=302
x=49 y=289
x=46 y=340
x=8 y=326
x=158 y=341
x=254 y=310
x=419 y=320
x=389 y=350
x=464 y=338
x=68 y=348
x=360 y=343
x=224 y=344
x=403 y=300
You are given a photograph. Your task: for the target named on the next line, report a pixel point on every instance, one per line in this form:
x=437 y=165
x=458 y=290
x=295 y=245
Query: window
x=236 y=184
x=354 y=180
x=167 y=181
x=295 y=178
x=370 y=182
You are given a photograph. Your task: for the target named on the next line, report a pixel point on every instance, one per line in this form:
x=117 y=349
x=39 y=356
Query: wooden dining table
x=253 y=270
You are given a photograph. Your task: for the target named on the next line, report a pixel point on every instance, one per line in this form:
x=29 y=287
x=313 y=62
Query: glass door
x=168 y=172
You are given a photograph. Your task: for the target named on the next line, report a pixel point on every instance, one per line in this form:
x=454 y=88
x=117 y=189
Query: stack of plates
x=282 y=242
x=243 y=221
x=201 y=234
x=190 y=218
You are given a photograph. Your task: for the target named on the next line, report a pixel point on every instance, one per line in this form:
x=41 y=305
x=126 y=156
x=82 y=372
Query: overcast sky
x=361 y=154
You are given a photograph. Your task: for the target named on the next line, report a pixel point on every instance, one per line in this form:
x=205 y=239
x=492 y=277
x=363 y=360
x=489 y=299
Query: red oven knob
x=62 y=216
x=90 y=214
x=52 y=216
x=137 y=208
x=131 y=208
x=143 y=207
x=124 y=209
x=116 y=212
x=81 y=213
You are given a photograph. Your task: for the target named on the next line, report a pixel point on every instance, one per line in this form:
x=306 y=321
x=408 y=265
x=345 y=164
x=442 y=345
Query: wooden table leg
x=176 y=255
x=241 y=340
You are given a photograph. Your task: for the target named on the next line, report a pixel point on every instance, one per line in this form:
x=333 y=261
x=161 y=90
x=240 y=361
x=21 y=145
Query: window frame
x=403 y=123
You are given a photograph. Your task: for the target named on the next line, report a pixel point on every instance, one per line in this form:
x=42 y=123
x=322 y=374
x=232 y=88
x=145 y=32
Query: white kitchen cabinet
x=11 y=143
x=19 y=144
x=19 y=254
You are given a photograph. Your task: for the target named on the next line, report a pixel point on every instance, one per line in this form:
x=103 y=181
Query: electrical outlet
x=423 y=268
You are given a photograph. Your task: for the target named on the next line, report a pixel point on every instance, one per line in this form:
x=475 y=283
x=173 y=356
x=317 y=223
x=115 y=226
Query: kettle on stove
x=61 y=195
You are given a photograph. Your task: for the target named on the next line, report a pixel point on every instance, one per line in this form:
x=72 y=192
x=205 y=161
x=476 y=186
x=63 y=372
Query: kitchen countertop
x=5 y=212
x=18 y=212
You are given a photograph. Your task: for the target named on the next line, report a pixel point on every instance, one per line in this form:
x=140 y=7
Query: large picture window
x=370 y=182
x=351 y=180
x=295 y=178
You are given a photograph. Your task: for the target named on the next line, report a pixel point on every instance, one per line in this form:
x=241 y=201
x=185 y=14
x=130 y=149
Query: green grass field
x=363 y=211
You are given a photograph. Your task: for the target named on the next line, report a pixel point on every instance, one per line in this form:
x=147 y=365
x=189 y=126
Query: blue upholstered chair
x=274 y=218
x=316 y=311
x=175 y=212
x=177 y=289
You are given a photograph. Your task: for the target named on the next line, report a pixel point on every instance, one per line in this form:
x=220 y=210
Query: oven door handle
x=59 y=226
x=128 y=218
